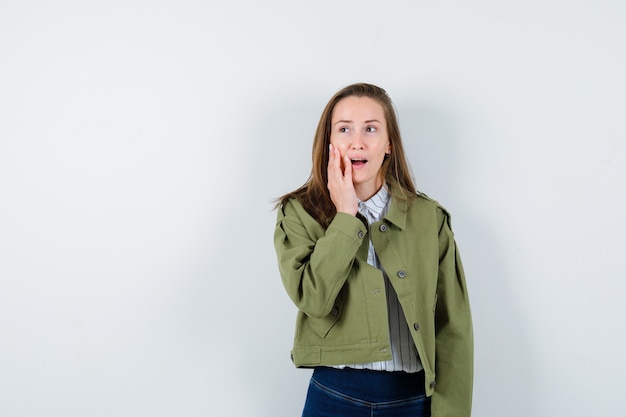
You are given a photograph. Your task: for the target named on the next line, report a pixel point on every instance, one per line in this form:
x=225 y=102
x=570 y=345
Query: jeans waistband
x=369 y=385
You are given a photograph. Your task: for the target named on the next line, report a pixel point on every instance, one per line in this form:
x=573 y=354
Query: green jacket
x=342 y=316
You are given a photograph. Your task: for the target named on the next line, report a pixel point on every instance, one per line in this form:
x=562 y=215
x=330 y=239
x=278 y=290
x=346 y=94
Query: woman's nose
x=357 y=142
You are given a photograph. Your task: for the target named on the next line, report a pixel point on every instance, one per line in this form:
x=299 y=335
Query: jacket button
x=416 y=326
x=433 y=384
x=383 y=228
x=360 y=234
x=401 y=274
x=334 y=311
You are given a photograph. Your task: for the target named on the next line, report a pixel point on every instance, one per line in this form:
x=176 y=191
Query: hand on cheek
x=340 y=185
x=343 y=157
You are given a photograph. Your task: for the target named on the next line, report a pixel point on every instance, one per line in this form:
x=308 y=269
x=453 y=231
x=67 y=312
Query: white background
x=142 y=144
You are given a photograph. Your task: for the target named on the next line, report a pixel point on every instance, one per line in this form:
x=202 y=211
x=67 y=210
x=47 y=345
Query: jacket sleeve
x=315 y=263
x=454 y=345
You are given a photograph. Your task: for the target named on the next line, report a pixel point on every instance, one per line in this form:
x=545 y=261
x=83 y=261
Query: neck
x=366 y=191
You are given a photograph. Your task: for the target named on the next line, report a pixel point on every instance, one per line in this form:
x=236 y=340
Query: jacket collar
x=398 y=212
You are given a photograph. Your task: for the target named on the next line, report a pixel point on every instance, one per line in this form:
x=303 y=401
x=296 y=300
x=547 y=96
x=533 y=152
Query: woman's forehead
x=355 y=109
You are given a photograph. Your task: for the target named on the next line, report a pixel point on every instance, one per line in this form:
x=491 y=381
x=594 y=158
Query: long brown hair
x=314 y=195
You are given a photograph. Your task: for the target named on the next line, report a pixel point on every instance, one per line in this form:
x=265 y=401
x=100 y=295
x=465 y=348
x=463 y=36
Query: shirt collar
x=376 y=205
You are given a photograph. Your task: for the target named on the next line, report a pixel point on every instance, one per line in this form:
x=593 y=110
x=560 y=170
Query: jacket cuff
x=349 y=225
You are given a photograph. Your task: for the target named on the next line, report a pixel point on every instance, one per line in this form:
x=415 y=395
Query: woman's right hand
x=340 y=184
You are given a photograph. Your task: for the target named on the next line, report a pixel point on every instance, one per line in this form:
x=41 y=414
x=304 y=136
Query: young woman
x=373 y=268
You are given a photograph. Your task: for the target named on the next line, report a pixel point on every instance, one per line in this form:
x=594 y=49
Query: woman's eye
x=344 y=129
x=371 y=129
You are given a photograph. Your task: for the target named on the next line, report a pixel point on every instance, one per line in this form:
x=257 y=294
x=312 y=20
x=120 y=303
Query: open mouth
x=358 y=161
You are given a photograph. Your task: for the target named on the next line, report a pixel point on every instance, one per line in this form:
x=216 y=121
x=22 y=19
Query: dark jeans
x=364 y=393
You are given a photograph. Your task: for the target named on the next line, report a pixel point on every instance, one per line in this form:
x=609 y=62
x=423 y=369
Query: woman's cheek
x=342 y=148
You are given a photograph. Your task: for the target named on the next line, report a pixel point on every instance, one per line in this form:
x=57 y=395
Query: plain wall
x=142 y=144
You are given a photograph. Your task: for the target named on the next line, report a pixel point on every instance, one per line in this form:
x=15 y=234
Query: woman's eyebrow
x=350 y=121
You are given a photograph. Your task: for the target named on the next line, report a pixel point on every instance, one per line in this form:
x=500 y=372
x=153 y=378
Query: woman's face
x=359 y=130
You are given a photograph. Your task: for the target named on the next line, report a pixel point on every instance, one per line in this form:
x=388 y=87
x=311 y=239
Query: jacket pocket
x=323 y=326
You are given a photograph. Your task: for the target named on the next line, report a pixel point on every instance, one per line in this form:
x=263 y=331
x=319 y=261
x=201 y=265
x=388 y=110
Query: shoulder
x=292 y=210
x=423 y=199
x=289 y=209
x=292 y=207
x=428 y=203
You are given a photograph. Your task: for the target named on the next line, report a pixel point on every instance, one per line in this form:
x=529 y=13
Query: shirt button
x=383 y=228
x=360 y=234
x=416 y=326
x=433 y=384
x=334 y=311
x=401 y=274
